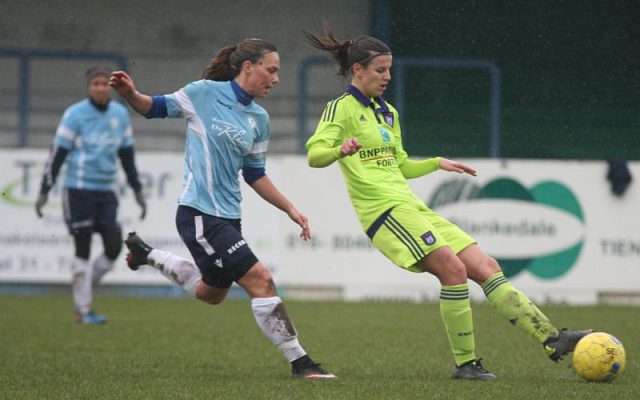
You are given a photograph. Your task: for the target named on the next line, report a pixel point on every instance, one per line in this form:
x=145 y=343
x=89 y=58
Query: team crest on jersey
x=385 y=134
x=252 y=122
x=429 y=239
x=388 y=118
x=115 y=122
x=362 y=118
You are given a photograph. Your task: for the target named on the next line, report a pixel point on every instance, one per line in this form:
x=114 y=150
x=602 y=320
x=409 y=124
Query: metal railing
x=26 y=57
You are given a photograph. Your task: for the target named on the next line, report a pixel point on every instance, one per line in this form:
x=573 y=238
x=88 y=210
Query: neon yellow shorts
x=408 y=233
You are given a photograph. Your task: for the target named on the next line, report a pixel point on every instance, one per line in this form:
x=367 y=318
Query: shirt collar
x=366 y=101
x=241 y=95
x=99 y=107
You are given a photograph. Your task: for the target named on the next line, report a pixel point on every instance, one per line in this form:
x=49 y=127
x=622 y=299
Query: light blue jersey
x=93 y=138
x=223 y=136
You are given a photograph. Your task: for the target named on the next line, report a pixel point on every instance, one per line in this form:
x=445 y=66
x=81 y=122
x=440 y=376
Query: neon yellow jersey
x=373 y=177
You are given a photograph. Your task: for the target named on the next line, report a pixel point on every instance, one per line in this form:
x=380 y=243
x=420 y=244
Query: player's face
x=99 y=89
x=373 y=80
x=264 y=75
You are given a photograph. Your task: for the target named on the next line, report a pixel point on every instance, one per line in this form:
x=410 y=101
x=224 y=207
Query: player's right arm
x=123 y=84
x=329 y=143
x=62 y=144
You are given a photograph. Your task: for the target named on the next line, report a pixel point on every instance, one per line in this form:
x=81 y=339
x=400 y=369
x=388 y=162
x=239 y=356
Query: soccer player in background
x=91 y=136
x=362 y=132
x=227 y=132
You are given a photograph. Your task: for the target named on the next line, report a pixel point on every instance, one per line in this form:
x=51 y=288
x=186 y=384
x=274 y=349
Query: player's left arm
x=268 y=191
x=126 y=153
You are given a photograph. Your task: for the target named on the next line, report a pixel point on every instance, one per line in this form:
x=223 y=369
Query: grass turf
x=183 y=349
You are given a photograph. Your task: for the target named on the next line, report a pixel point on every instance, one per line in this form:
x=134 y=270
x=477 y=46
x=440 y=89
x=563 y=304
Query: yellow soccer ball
x=599 y=357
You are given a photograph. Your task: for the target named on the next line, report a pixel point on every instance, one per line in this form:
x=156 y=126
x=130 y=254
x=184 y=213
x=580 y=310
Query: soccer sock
x=274 y=321
x=180 y=271
x=101 y=266
x=81 y=284
x=515 y=306
x=455 y=309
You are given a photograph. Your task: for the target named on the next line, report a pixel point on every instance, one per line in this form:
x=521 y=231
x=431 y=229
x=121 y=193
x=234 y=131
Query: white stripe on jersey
x=200 y=235
x=65 y=133
x=188 y=110
x=194 y=123
x=128 y=132
x=260 y=147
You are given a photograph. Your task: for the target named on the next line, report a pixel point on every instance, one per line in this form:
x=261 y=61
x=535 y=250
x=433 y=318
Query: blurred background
x=544 y=79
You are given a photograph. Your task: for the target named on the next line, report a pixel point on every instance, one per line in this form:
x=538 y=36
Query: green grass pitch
x=182 y=349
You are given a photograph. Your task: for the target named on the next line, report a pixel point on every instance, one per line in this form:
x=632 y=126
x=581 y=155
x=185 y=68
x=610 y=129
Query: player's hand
x=349 y=147
x=142 y=203
x=42 y=200
x=301 y=220
x=122 y=83
x=456 y=166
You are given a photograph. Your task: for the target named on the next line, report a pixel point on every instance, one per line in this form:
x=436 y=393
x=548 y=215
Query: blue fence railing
x=400 y=66
x=26 y=56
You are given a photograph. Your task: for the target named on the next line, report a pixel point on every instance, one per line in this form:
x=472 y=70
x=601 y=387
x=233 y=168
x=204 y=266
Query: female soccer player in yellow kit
x=362 y=132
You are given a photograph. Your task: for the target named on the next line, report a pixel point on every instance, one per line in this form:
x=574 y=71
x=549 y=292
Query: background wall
x=570 y=68
x=167 y=45
x=571 y=76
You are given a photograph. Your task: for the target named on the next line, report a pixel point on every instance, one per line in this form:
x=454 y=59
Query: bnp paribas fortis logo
x=540 y=229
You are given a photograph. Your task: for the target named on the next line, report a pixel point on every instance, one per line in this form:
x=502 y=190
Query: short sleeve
x=67 y=130
x=179 y=104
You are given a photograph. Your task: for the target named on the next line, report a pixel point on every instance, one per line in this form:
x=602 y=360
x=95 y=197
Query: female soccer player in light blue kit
x=91 y=136
x=227 y=132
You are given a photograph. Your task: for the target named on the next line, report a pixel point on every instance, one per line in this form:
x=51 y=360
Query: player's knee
x=210 y=295
x=112 y=239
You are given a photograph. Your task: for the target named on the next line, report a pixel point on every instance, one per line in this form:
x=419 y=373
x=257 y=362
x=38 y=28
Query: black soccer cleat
x=305 y=368
x=472 y=370
x=138 y=251
x=559 y=346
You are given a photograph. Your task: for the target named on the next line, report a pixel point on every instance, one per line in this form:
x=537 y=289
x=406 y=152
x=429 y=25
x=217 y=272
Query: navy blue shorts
x=94 y=209
x=216 y=245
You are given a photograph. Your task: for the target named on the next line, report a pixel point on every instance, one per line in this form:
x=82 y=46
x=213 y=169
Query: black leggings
x=111 y=240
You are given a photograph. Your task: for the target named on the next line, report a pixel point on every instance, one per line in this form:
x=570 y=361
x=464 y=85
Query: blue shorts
x=93 y=209
x=216 y=245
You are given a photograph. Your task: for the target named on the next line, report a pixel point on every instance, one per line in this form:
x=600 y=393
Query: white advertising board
x=555 y=226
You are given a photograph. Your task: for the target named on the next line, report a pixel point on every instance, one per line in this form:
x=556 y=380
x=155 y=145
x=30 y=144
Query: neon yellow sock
x=455 y=310
x=516 y=307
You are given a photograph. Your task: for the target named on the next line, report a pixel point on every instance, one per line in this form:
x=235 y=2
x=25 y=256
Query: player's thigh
x=79 y=209
x=217 y=246
x=455 y=237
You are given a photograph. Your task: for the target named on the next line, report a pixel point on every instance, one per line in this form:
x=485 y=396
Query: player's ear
x=247 y=67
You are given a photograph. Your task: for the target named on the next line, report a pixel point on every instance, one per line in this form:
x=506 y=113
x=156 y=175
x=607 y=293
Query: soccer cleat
x=90 y=318
x=472 y=370
x=559 y=346
x=138 y=251
x=306 y=368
